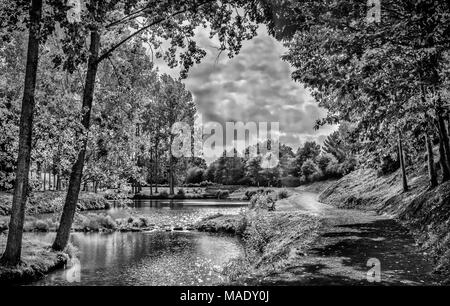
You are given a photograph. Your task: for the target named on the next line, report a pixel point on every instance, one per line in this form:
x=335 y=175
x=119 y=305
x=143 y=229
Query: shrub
x=262 y=201
x=317 y=176
x=282 y=194
x=388 y=165
x=323 y=161
x=181 y=192
x=290 y=181
x=107 y=222
x=334 y=170
x=164 y=194
x=90 y=224
x=308 y=168
x=41 y=226
x=250 y=193
x=34 y=185
x=223 y=194
x=245 y=181
x=194 y=175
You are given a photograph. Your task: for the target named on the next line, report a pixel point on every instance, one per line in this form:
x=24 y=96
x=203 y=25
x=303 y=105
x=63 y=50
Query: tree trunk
x=443 y=137
x=151 y=171
x=70 y=205
x=171 y=187
x=39 y=172
x=402 y=162
x=431 y=168
x=12 y=254
x=443 y=162
x=58 y=182
x=45 y=176
x=156 y=169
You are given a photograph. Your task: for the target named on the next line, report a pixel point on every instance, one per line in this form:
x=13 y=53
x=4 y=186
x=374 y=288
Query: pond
x=153 y=258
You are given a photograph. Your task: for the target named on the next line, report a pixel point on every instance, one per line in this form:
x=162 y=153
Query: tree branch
x=123 y=41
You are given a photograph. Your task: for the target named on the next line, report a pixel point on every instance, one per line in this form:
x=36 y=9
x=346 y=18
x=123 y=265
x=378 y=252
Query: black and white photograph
x=206 y=145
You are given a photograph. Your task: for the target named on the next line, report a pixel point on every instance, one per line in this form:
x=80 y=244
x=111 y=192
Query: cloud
x=254 y=86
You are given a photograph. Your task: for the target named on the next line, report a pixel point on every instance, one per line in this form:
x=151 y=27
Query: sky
x=254 y=86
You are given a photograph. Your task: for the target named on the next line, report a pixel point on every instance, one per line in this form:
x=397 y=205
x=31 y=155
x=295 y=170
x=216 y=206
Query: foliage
x=261 y=201
x=194 y=175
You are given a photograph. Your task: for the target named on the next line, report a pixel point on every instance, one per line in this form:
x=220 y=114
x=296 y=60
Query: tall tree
x=12 y=253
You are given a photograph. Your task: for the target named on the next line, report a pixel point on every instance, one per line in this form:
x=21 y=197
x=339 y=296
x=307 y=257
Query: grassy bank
x=37 y=261
x=426 y=213
x=98 y=222
x=274 y=235
x=53 y=201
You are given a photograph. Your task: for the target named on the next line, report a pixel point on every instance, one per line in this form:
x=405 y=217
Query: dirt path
x=349 y=239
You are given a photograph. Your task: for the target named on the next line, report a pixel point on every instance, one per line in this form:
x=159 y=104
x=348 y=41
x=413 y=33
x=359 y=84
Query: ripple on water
x=158 y=258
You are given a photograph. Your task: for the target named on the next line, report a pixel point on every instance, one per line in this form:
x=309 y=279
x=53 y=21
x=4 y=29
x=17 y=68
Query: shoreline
x=38 y=260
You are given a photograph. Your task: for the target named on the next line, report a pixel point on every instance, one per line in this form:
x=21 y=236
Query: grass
x=53 y=201
x=37 y=260
x=272 y=240
x=426 y=213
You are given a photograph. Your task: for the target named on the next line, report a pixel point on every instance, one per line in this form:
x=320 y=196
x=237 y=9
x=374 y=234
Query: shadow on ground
x=346 y=245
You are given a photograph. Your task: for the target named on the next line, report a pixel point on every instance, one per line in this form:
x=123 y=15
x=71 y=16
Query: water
x=178 y=213
x=152 y=258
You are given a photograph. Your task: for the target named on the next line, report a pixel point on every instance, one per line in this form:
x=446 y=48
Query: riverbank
x=37 y=261
x=53 y=201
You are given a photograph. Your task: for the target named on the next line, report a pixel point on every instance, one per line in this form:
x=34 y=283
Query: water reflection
x=158 y=258
x=178 y=212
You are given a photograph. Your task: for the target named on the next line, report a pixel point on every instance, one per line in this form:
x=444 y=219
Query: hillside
x=426 y=213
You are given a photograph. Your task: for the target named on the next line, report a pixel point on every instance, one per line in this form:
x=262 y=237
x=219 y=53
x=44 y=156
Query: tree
x=194 y=175
x=308 y=168
x=310 y=150
x=12 y=253
x=253 y=169
x=323 y=161
x=372 y=74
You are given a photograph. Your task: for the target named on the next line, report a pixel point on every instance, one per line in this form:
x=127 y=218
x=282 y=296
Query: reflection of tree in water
x=157 y=258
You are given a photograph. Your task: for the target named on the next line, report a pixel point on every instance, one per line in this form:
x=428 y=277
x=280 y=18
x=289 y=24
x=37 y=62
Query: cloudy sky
x=255 y=86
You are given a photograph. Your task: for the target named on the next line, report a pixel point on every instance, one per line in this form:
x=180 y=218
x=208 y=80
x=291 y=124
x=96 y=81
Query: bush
x=181 y=192
x=250 y=193
x=262 y=201
x=388 y=165
x=164 y=194
x=90 y=224
x=245 y=181
x=290 y=181
x=308 y=168
x=282 y=194
x=107 y=222
x=34 y=185
x=41 y=226
x=93 y=222
x=323 y=161
x=194 y=175
x=223 y=194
